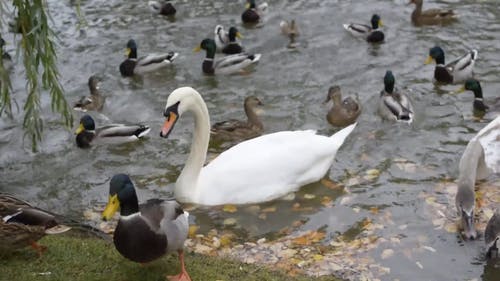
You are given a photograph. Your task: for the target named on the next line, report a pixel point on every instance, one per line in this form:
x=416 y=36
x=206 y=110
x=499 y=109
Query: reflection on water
x=292 y=84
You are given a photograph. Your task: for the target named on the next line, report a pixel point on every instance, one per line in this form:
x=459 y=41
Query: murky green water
x=292 y=84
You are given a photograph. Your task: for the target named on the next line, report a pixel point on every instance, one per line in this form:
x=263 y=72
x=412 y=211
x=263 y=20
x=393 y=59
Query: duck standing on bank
x=148 y=231
x=23 y=225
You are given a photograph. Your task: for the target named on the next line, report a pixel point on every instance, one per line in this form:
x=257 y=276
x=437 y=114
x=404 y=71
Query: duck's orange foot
x=40 y=249
x=183 y=276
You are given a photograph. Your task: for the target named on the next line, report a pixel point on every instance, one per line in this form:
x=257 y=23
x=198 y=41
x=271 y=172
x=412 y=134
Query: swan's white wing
x=268 y=167
x=489 y=137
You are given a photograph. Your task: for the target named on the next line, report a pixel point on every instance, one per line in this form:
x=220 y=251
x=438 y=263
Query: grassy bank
x=89 y=259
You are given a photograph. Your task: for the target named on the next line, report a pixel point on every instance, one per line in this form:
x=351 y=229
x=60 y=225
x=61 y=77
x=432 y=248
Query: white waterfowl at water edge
x=256 y=170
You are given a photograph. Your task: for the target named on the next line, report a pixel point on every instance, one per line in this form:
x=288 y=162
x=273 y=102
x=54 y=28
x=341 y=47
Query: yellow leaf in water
x=451 y=227
x=309 y=196
x=326 y=201
x=430 y=200
x=318 y=257
x=230 y=221
x=373 y=172
x=230 y=208
x=225 y=240
x=192 y=230
x=269 y=209
x=309 y=238
x=329 y=184
x=263 y=216
x=374 y=210
x=387 y=253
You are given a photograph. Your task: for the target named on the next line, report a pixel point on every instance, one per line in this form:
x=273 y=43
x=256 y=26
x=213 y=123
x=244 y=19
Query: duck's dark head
x=389 y=81
x=122 y=197
x=233 y=34
x=86 y=124
x=435 y=54
x=250 y=4
x=131 y=50
x=376 y=21
x=207 y=45
x=93 y=82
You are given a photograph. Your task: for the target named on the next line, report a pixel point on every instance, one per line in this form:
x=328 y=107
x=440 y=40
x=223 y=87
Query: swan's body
x=481 y=157
x=257 y=170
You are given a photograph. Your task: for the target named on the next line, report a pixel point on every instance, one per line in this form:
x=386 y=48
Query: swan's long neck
x=187 y=183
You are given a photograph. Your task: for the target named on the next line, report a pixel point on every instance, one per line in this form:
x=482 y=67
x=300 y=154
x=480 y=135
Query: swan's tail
x=341 y=135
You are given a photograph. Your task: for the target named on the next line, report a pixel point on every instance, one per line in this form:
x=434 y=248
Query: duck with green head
x=253 y=13
x=233 y=46
x=226 y=65
x=371 y=33
x=87 y=134
x=479 y=106
x=149 y=63
x=456 y=71
x=148 y=231
x=393 y=104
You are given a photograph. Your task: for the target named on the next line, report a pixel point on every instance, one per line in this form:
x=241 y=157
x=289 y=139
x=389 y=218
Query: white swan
x=256 y=170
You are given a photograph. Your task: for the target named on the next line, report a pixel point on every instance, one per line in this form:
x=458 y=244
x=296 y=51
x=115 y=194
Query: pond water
x=292 y=83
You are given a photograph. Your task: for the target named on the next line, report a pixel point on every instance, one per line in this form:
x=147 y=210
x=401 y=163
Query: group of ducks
x=146 y=232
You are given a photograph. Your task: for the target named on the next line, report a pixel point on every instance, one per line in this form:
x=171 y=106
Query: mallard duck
x=479 y=106
x=225 y=65
x=492 y=235
x=371 y=34
x=220 y=37
x=23 y=225
x=253 y=13
x=6 y=58
x=93 y=102
x=162 y=7
x=233 y=129
x=431 y=16
x=87 y=134
x=454 y=72
x=480 y=158
x=133 y=65
x=148 y=231
x=343 y=112
x=240 y=175
x=233 y=47
x=394 y=105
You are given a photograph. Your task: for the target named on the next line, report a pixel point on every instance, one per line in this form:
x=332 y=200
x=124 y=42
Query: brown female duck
x=237 y=130
x=93 y=102
x=431 y=16
x=343 y=112
x=22 y=225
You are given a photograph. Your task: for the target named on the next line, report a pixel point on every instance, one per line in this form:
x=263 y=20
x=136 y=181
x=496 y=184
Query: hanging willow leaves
x=38 y=52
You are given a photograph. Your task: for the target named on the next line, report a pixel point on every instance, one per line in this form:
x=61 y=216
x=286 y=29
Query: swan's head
x=179 y=101
x=465 y=201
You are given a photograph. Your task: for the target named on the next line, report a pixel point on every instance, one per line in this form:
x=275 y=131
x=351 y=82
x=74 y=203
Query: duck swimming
x=133 y=65
x=220 y=38
x=253 y=13
x=237 y=130
x=93 y=102
x=241 y=174
x=479 y=106
x=233 y=47
x=343 y=112
x=456 y=71
x=162 y=7
x=492 y=235
x=87 y=134
x=394 y=105
x=226 y=65
x=431 y=16
x=148 y=231
x=371 y=33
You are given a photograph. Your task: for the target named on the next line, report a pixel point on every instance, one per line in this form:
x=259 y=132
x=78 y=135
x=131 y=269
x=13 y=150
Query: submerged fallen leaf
x=192 y=230
x=230 y=208
x=230 y=221
x=429 y=248
x=309 y=196
x=309 y=238
x=387 y=253
x=269 y=209
x=419 y=265
x=326 y=201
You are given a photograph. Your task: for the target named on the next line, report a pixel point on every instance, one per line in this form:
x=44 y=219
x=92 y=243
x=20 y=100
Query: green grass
x=75 y=258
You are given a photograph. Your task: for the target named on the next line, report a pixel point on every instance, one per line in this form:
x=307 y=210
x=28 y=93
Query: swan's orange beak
x=168 y=125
